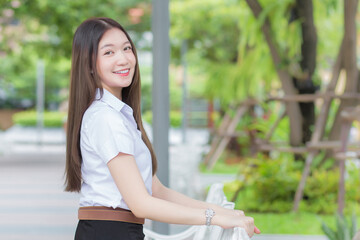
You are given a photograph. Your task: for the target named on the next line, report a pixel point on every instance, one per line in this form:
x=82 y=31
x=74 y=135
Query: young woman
x=109 y=157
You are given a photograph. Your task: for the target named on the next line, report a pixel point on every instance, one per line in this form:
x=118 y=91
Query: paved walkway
x=33 y=205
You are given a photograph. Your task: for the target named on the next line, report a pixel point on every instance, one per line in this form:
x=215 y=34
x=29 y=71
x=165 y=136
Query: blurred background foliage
x=229 y=50
x=228 y=61
x=223 y=37
x=43 y=29
x=269 y=185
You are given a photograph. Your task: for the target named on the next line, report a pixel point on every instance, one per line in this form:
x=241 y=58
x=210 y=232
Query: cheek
x=101 y=67
x=132 y=59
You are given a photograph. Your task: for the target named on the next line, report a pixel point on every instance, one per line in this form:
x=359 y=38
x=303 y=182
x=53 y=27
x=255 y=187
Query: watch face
x=209 y=212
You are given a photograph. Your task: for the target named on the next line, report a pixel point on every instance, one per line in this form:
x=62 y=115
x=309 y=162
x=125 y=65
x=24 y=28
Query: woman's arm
x=162 y=192
x=127 y=177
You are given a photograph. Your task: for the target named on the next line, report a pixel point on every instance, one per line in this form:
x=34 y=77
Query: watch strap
x=209 y=214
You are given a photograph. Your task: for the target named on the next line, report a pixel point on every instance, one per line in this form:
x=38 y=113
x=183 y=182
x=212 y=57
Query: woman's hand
x=231 y=221
x=241 y=213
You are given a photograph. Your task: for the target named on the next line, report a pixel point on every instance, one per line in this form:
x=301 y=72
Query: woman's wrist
x=226 y=211
x=209 y=214
x=216 y=220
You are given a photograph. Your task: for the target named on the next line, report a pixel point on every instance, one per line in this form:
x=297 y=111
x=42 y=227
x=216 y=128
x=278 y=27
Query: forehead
x=113 y=36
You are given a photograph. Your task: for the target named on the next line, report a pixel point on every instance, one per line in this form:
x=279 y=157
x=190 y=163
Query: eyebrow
x=112 y=45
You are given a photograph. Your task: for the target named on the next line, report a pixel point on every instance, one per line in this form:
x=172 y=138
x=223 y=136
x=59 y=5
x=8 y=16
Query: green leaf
x=353 y=225
x=340 y=225
x=329 y=232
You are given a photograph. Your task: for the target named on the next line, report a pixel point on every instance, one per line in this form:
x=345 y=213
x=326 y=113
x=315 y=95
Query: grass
x=302 y=223
x=294 y=223
x=220 y=167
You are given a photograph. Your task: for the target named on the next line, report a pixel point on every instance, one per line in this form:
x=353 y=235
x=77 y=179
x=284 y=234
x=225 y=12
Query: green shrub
x=321 y=190
x=29 y=119
x=276 y=180
x=353 y=180
x=320 y=193
x=175 y=118
x=269 y=185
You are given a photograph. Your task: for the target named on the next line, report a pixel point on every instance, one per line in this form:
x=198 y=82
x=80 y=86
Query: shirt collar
x=112 y=101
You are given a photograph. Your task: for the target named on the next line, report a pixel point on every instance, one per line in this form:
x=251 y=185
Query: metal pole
x=40 y=92
x=160 y=94
x=184 y=93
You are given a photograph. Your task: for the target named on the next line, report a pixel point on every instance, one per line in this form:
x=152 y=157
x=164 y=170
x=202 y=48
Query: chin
x=127 y=84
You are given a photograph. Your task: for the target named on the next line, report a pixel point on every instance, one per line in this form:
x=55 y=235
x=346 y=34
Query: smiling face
x=115 y=61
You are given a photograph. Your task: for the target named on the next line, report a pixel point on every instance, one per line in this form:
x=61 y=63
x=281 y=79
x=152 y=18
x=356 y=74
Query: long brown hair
x=83 y=83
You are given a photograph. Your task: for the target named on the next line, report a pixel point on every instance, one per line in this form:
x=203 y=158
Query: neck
x=117 y=93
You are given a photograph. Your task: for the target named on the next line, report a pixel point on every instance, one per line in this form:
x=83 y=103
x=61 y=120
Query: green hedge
x=29 y=119
x=175 y=118
x=269 y=185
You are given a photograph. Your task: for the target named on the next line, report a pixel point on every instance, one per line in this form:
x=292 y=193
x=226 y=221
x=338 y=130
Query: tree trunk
x=352 y=76
x=303 y=82
x=292 y=108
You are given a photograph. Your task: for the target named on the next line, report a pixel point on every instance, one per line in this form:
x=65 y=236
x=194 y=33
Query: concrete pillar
x=160 y=94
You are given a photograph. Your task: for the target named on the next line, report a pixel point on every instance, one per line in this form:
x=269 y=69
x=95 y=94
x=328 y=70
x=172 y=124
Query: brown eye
x=108 y=52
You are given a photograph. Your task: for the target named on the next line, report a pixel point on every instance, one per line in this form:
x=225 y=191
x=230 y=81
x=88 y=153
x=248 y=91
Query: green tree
x=212 y=31
x=243 y=47
x=43 y=29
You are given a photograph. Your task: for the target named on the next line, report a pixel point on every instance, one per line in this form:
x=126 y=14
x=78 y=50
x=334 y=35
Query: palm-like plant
x=343 y=230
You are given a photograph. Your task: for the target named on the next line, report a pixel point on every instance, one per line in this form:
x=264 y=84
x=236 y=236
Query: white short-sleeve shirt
x=109 y=128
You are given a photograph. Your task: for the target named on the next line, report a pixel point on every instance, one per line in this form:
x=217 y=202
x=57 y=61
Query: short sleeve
x=109 y=135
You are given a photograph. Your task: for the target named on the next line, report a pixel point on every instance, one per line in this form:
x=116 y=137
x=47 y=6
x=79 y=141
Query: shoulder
x=100 y=114
x=106 y=131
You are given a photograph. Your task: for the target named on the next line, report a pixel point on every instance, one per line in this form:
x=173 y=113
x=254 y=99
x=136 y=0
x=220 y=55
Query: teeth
x=123 y=71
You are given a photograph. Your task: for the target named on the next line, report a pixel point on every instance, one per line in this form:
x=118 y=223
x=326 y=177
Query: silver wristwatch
x=209 y=213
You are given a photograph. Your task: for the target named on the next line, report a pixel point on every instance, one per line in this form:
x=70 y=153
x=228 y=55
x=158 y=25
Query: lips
x=123 y=72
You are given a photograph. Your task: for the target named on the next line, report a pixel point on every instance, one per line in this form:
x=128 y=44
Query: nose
x=121 y=59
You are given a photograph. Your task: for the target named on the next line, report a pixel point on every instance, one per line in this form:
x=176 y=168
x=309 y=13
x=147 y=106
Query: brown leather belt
x=108 y=214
